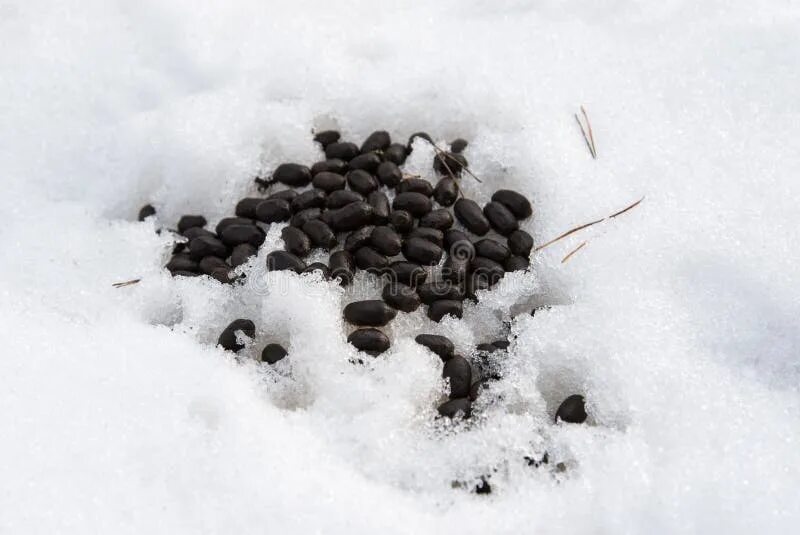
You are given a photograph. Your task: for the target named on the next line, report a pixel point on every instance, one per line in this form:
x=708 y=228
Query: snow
x=678 y=320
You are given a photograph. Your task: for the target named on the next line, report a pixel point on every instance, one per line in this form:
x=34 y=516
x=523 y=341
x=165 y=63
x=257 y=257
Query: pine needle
x=126 y=283
x=588 y=138
x=575 y=250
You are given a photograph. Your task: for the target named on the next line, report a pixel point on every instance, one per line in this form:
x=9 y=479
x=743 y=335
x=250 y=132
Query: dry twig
x=126 y=283
x=588 y=138
x=575 y=250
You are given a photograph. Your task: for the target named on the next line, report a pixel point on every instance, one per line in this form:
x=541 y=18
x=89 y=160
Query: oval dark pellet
x=385 y=240
x=440 y=219
x=342 y=266
x=492 y=249
x=422 y=251
x=334 y=165
x=458 y=145
x=222 y=275
x=184 y=274
x=313 y=198
x=402 y=221
x=327 y=181
x=292 y=174
x=371 y=260
x=415 y=135
x=247 y=207
x=370 y=313
x=341 y=198
x=226 y=222
x=446 y=191
x=501 y=218
x=400 y=296
x=488 y=268
x=446 y=163
x=318 y=266
x=272 y=353
x=351 y=217
x=273 y=210
x=189 y=221
x=182 y=262
x=444 y=307
x=501 y=344
x=284 y=261
x=396 y=153
x=378 y=140
x=435 y=291
x=371 y=341
x=455 y=236
x=146 y=211
x=418 y=185
x=459 y=372
x=362 y=182
x=368 y=162
x=210 y=263
x=572 y=410
x=520 y=243
x=300 y=219
x=471 y=216
x=475 y=390
x=234 y=235
x=426 y=233
x=358 y=239
x=407 y=273
x=516 y=263
x=207 y=246
x=341 y=150
x=320 y=234
x=389 y=174
x=285 y=194
x=326 y=137
x=475 y=283
x=455 y=270
x=228 y=337
x=441 y=345
x=486 y=348
x=196 y=232
x=412 y=202
x=242 y=253
x=296 y=241
x=515 y=202
x=455 y=408
x=380 y=207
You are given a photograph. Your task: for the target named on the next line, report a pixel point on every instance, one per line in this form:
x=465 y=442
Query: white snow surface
x=678 y=321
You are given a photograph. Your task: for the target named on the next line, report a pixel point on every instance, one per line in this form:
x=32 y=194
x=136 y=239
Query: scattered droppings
x=228 y=339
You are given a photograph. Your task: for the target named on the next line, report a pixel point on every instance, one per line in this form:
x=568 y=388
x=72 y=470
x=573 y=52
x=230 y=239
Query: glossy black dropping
x=459 y=373
x=285 y=194
x=455 y=408
x=226 y=222
x=458 y=145
x=455 y=270
x=418 y=185
x=447 y=163
x=572 y=410
x=401 y=221
x=296 y=241
x=182 y=262
x=247 y=207
x=441 y=345
x=440 y=219
x=146 y=211
x=228 y=337
x=446 y=191
x=358 y=239
x=342 y=266
x=184 y=274
x=341 y=198
x=371 y=341
x=434 y=291
x=362 y=182
x=210 y=263
x=369 y=313
x=292 y=174
x=389 y=174
x=385 y=240
x=515 y=202
x=471 y=216
x=454 y=236
x=501 y=218
x=380 y=207
x=487 y=268
x=396 y=153
x=501 y=344
x=272 y=353
x=422 y=251
x=368 y=162
x=327 y=181
x=222 y=275
x=189 y=221
x=516 y=263
x=197 y=232
x=207 y=246
x=334 y=165
x=284 y=261
x=415 y=135
x=273 y=210
x=492 y=249
x=341 y=150
x=351 y=217
x=475 y=283
x=234 y=235
x=412 y=202
x=313 y=198
x=371 y=260
x=242 y=253
x=520 y=243
x=426 y=233
x=318 y=266
x=300 y=219
x=378 y=140
x=445 y=307
x=326 y=137
x=486 y=347
x=400 y=297
x=320 y=234
x=407 y=273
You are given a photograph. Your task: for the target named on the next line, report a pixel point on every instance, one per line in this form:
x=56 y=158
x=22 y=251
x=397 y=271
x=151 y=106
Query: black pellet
x=210 y=263
x=385 y=240
x=273 y=210
x=501 y=344
x=341 y=150
x=380 y=207
x=572 y=410
x=447 y=163
x=412 y=202
x=247 y=207
x=458 y=145
x=283 y=261
x=501 y=218
x=228 y=337
x=400 y=296
x=444 y=307
x=189 y=221
x=471 y=216
x=226 y=222
x=207 y=246
x=318 y=266
x=492 y=249
x=434 y=291
x=486 y=347
x=396 y=153
x=327 y=181
x=441 y=345
x=455 y=408
x=415 y=135
x=475 y=283
x=487 y=268
x=371 y=313
x=362 y=182
x=378 y=140
x=342 y=266
x=234 y=235
x=341 y=198
x=320 y=234
x=222 y=275
x=182 y=262
x=408 y=273
x=285 y=194
x=440 y=219
x=331 y=166
x=196 y=232
x=242 y=253
x=371 y=341
x=483 y=487
x=313 y=198
x=459 y=372
x=368 y=162
x=455 y=270
x=402 y=221
x=296 y=241
x=389 y=174
x=326 y=137
x=292 y=174
x=146 y=211
x=426 y=233
x=300 y=219
x=459 y=246
x=516 y=263
x=515 y=202
x=358 y=239
x=418 y=185
x=422 y=251
x=520 y=243
x=371 y=260
x=446 y=191
x=272 y=353
x=184 y=274
x=351 y=217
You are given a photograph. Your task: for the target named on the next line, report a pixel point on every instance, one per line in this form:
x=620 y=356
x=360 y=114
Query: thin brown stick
x=586 y=225
x=126 y=283
x=575 y=250
x=591 y=134
x=585 y=137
